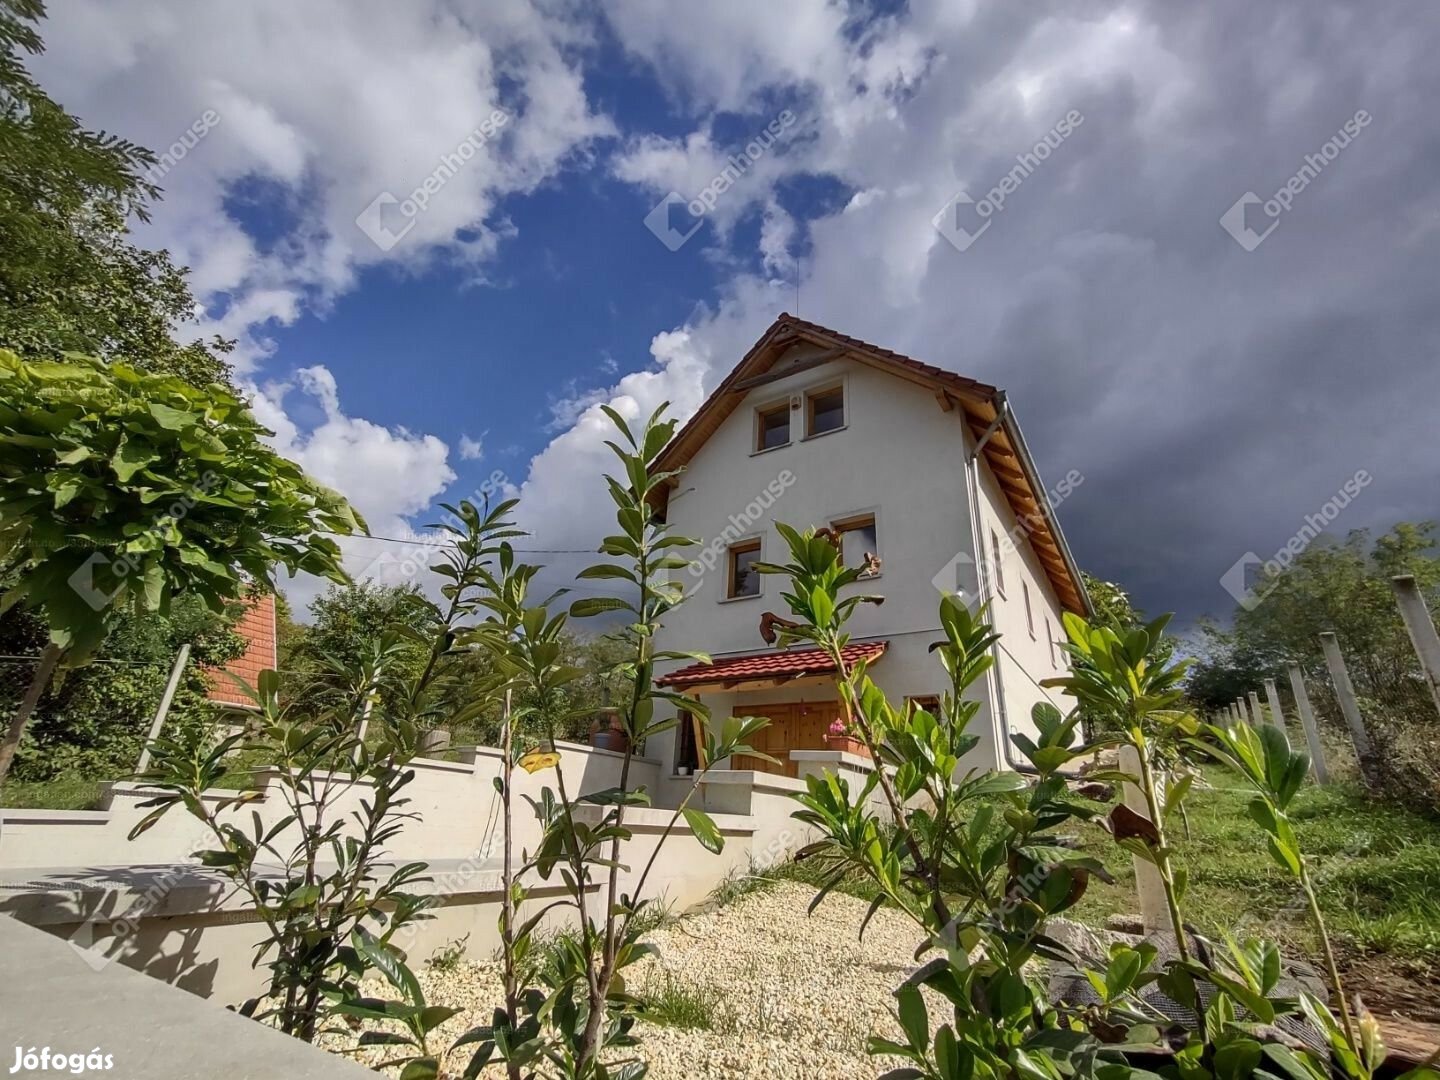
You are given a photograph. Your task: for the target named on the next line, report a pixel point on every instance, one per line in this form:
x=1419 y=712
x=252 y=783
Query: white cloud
x=388 y=474
x=1100 y=290
x=334 y=102
x=471 y=449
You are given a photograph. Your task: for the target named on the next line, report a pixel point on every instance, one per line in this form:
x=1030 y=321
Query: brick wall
x=257 y=627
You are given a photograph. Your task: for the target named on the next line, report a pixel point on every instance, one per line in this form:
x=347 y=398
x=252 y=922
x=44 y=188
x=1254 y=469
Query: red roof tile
x=777 y=664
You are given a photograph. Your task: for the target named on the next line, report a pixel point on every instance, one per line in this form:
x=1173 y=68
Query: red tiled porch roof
x=773 y=664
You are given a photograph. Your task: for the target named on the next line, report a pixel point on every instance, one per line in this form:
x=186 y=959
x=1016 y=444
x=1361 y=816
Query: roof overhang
x=981 y=406
x=768 y=669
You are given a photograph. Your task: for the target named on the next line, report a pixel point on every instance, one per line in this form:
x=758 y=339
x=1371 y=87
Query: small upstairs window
x=772 y=427
x=858 y=538
x=824 y=410
x=744 y=579
x=1029 y=615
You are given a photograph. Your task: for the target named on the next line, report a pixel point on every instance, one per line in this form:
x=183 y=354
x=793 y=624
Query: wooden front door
x=793 y=726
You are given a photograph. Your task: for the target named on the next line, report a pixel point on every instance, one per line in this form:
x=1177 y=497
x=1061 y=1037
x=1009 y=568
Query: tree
x=70 y=279
x=348 y=619
x=120 y=487
x=1339 y=586
x=1114 y=609
x=94 y=723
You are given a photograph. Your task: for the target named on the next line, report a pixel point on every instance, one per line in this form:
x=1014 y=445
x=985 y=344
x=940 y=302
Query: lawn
x=1376 y=867
x=78 y=793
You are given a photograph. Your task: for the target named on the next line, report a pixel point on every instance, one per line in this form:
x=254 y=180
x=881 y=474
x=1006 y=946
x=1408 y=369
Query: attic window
x=824 y=410
x=772 y=426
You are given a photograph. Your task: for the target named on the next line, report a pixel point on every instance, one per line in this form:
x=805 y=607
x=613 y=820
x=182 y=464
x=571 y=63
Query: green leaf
x=914 y=1020
x=705 y=830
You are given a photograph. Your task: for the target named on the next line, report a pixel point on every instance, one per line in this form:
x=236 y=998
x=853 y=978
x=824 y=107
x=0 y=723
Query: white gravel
x=797 y=995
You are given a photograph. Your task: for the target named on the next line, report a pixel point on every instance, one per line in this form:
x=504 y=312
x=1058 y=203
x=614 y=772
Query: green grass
x=1376 y=868
x=82 y=793
x=673 y=1001
x=62 y=793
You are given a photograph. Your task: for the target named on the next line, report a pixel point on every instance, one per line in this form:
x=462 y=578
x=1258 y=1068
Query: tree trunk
x=49 y=659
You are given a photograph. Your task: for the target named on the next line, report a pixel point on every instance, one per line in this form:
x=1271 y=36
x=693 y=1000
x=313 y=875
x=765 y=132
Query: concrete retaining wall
x=147 y=904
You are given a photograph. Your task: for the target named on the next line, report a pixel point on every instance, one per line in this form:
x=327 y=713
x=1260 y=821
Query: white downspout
x=999 y=724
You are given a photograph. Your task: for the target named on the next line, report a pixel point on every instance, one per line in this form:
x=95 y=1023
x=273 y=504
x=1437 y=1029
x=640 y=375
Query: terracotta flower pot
x=847 y=744
x=606 y=732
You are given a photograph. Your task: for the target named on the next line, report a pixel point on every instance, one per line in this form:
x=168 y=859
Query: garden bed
x=753 y=989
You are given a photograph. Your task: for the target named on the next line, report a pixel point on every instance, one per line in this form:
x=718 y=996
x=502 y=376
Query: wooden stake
x=1345 y=693
x=1307 y=721
x=163 y=710
x=44 y=669
x=1421 y=628
x=1149 y=887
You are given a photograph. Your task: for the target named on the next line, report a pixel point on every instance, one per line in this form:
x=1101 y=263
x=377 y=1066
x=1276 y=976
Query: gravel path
x=795 y=996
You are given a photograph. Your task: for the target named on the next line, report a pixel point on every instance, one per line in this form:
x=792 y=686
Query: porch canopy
x=775 y=667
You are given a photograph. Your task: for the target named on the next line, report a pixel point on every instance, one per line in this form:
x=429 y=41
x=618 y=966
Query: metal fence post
x=163 y=710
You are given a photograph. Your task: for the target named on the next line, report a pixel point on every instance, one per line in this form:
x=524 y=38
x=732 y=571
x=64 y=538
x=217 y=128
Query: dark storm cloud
x=1214 y=396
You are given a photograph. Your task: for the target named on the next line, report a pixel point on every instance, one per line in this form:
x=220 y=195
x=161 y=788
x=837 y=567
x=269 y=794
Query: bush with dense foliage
x=93 y=724
x=121 y=488
x=983 y=862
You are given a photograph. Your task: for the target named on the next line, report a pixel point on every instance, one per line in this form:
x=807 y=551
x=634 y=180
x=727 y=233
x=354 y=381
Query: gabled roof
x=983 y=407
x=772 y=666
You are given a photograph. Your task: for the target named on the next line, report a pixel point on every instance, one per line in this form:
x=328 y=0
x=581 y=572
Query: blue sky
x=1212 y=391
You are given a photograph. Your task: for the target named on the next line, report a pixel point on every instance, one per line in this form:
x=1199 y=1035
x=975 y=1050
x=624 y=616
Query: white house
x=926 y=469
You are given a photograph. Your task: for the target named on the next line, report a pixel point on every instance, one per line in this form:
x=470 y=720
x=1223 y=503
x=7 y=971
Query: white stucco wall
x=900 y=456
x=1026 y=659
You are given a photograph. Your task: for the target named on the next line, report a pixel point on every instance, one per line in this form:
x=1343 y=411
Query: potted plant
x=839 y=738
x=606 y=732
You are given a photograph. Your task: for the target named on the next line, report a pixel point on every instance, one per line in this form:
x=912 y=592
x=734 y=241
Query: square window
x=858 y=538
x=825 y=411
x=772 y=427
x=744 y=578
